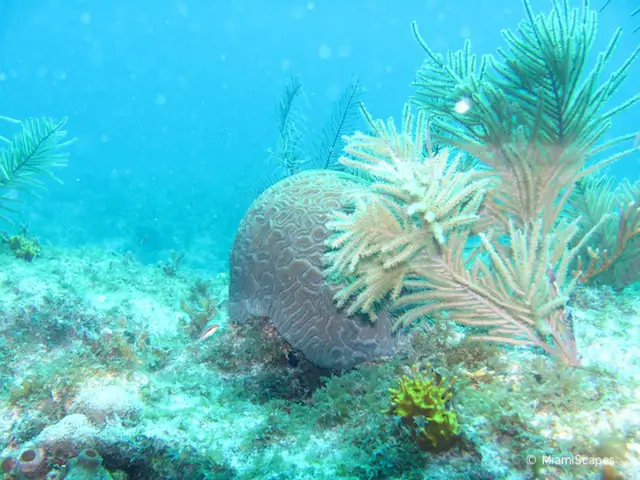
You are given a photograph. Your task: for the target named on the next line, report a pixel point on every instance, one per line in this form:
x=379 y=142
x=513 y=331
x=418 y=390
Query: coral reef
x=472 y=225
x=114 y=367
x=491 y=248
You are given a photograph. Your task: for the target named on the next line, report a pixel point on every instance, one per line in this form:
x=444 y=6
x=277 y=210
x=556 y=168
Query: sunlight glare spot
x=324 y=52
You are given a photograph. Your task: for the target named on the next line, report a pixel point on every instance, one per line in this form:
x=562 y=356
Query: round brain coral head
x=421 y=400
x=31 y=460
x=277 y=268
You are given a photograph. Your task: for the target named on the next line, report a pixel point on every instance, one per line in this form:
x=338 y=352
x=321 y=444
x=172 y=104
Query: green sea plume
x=37 y=148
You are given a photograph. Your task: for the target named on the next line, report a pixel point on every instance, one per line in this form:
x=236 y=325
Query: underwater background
x=173 y=103
x=118 y=358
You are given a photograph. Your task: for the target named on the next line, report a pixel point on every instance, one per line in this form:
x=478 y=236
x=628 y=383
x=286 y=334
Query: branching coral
x=489 y=248
x=513 y=291
x=613 y=256
x=536 y=112
x=297 y=149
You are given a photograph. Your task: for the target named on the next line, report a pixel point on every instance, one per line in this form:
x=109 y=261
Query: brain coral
x=276 y=268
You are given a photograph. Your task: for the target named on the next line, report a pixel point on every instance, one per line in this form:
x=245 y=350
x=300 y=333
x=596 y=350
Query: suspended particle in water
x=463 y=105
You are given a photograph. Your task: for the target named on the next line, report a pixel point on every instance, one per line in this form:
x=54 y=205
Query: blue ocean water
x=172 y=105
x=173 y=102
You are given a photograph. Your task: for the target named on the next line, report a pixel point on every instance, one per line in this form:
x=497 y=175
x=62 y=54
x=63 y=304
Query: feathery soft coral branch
x=407 y=241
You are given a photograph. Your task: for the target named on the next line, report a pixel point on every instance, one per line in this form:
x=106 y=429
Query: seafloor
x=102 y=354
